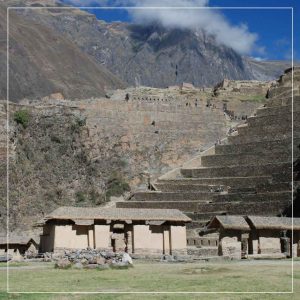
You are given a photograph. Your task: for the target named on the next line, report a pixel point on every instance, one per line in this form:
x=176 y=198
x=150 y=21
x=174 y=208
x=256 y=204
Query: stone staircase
x=249 y=173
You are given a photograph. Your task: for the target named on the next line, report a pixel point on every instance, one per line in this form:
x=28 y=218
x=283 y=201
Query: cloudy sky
x=260 y=33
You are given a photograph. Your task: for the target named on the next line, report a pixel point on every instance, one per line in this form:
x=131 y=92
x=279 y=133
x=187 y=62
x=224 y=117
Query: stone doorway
x=119 y=238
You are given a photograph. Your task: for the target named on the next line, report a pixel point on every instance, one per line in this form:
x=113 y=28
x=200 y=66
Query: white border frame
x=137 y=8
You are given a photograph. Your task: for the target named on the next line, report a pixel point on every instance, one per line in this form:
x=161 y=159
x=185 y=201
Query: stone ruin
x=248 y=173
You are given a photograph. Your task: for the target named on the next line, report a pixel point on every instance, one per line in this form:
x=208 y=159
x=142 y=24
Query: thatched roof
x=229 y=222
x=116 y=214
x=278 y=223
x=18 y=239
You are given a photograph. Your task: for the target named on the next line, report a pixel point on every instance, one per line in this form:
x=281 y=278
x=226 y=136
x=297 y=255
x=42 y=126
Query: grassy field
x=238 y=276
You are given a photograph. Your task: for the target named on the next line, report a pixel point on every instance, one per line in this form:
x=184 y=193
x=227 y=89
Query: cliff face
x=42 y=62
x=152 y=55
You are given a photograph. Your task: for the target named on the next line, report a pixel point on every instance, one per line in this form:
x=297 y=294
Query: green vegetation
x=231 y=276
x=253 y=98
x=79 y=122
x=116 y=186
x=22 y=117
x=80 y=197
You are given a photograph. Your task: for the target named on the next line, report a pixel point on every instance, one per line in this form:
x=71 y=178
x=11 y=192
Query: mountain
x=42 y=62
x=152 y=55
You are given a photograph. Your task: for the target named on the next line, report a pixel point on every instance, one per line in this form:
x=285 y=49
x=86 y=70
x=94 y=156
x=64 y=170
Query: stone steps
x=259 y=197
x=172 y=196
x=278 y=110
x=185 y=187
x=262 y=184
x=277 y=101
x=239 y=171
x=203 y=218
x=281 y=91
x=262 y=147
x=243 y=158
x=285 y=119
x=262 y=188
x=190 y=206
x=250 y=174
x=227 y=201
x=276 y=186
x=266 y=130
x=261 y=137
x=248 y=208
x=217 y=181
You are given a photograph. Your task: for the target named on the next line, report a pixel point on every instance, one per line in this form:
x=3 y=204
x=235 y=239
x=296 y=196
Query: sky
x=265 y=34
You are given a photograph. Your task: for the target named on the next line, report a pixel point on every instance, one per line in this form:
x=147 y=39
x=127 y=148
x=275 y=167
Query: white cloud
x=212 y=21
x=258 y=58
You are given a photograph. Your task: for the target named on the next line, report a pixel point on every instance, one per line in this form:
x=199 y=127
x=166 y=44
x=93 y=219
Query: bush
x=79 y=122
x=22 y=117
x=80 y=197
x=116 y=186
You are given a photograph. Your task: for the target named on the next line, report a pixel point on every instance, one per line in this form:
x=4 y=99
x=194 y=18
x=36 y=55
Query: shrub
x=56 y=139
x=22 y=117
x=116 y=186
x=77 y=123
x=80 y=197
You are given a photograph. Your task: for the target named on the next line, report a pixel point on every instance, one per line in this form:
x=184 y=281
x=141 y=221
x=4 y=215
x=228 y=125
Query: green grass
x=253 y=98
x=243 y=276
x=14 y=264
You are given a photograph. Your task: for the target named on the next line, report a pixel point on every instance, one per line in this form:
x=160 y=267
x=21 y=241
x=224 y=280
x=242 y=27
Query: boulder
x=92 y=260
x=63 y=264
x=84 y=261
x=100 y=260
x=127 y=259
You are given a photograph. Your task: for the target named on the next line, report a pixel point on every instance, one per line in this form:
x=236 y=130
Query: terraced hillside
x=249 y=172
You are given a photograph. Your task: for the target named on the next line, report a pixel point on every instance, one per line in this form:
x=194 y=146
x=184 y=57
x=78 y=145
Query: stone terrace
x=249 y=173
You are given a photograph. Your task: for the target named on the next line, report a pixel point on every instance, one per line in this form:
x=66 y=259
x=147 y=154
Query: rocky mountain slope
x=152 y=55
x=42 y=62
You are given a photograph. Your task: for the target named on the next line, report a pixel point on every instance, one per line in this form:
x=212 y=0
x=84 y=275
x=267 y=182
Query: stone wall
x=138 y=238
x=135 y=140
x=230 y=244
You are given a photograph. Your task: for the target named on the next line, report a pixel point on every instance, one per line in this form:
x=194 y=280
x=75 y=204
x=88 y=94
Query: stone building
x=233 y=235
x=139 y=231
x=273 y=235
x=256 y=236
x=18 y=245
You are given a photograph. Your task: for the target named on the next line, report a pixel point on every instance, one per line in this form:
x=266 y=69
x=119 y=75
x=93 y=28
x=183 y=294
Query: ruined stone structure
x=256 y=236
x=70 y=149
x=18 y=245
x=250 y=172
x=241 y=86
x=139 y=231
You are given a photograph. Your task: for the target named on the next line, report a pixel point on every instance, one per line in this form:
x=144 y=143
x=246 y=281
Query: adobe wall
x=269 y=242
x=230 y=244
x=71 y=237
x=148 y=239
x=142 y=238
x=178 y=239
